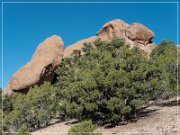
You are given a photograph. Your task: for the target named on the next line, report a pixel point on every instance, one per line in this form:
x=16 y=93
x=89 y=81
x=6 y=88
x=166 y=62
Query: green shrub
x=83 y=128
x=23 y=131
x=111 y=82
x=35 y=109
x=108 y=83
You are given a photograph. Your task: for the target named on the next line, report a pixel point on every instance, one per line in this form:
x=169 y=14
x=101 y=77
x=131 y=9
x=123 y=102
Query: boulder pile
x=50 y=52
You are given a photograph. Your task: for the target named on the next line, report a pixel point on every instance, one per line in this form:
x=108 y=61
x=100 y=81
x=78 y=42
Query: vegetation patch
x=108 y=83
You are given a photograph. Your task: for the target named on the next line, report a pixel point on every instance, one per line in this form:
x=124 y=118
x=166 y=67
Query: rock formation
x=113 y=29
x=135 y=35
x=78 y=45
x=40 y=68
x=49 y=53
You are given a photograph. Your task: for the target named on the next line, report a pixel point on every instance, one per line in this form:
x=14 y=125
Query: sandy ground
x=164 y=119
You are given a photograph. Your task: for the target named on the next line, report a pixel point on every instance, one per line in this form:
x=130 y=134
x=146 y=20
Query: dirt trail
x=164 y=119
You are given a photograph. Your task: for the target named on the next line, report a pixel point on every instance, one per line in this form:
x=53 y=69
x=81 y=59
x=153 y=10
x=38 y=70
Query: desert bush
x=83 y=128
x=34 y=110
x=23 y=131
x=111 y=82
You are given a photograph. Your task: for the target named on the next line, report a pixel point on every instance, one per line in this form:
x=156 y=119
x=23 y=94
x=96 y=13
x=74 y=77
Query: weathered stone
x=49 y=53
x=113 y=29
x=134 y=35
x=40 y=68
x=139 y=33
x=78 y=45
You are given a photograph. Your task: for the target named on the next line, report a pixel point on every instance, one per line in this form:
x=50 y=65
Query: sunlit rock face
x=135 y=34
x=40 y=68
x=78 y=45
x=50 y=52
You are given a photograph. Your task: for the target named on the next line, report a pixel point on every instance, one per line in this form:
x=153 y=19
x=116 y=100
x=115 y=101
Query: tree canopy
x=107 y=82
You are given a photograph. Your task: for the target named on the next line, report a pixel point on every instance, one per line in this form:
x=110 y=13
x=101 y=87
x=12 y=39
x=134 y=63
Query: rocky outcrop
x=113 y=29
x=78 y=45
x=7 y=90
x=135 y=34
x=40 y=68
x=139 y=33
x=49 y=53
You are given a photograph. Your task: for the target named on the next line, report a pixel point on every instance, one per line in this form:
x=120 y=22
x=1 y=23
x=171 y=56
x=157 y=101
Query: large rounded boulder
x=40 y=68
x=135 y=34
x=139 y=33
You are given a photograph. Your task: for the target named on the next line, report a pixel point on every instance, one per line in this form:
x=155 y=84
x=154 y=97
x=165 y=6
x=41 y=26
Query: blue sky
x=26 y=25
